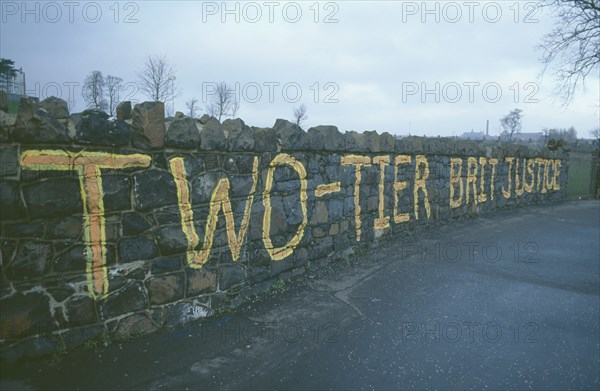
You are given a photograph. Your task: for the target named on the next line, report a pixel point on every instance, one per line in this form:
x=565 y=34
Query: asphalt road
x=509 y=301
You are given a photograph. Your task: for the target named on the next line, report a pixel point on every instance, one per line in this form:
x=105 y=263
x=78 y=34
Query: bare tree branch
x=93 y=91
x=223 y=102
x=511 y=123
x=157 y=79
x=300 y=114
x=572 y=48
x=192 y=106
x=113 y=83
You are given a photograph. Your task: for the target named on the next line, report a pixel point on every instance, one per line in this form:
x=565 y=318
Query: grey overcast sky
x=428 y=67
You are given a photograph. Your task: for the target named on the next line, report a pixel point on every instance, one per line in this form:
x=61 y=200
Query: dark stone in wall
x=355 y=142
x=130 y=299
x=134 y=223
x=291 y=135
x=72 y=259
x=95 y=127
x=230 y=276
x=165 y=289
x=137 y=248
x=239 y=136
x=183 y=133
x=387 y=142
x=24 y=315
x=212 y=136
x=32 y=229
x=124 y=110
x=81 y=310
x=165 y=265
x=148 y=123
x=65 y=227
x=31 y=260
x=200 y=281
x=35 y=124
x=203 y=186
x=116 y=192
x=153 y=188
x=372 y=141
x=325 y=137
x=133 y=325
x=57 y=108
x=11 y=205
x=171 y=240
x=53 y=197
x=9 y=160
x=265 y=139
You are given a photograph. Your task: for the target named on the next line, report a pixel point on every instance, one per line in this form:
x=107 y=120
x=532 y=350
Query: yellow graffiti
x=548 y=185
x=88 y=166
x=455 y=178
x=519 y=182
x=218 y=201
x=529 y=185
x=399 y=185
x=507 y=192
x=329 y=188
x=279 y=253
x=482 y=197
x=493 y=162
x=540 y=164
x=555 y=182
x=471 y=179
x=420 y=183
x=381 y=221
x=357 y=162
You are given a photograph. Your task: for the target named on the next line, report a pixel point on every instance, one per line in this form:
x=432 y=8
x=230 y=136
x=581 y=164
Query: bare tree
x=157 y=79
x=235 y=107
x=573 y=45
x=300 y=114
x=223 y=102
x=93 y=91
x=511 y=123
x=113 y=83
x=192 y=106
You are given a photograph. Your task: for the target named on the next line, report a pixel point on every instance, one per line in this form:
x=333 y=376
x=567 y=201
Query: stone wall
x=129 y=224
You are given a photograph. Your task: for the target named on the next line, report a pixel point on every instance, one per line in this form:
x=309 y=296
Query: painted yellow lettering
x=530 y=174
x=88 y=166
x=421 y=184
x=540 y=165
x=482 y=197
x=456 y=178
x=507 y=192
x=471 y=179
x=358 y=162
x=555 y=181
x=329 y=188
x=381 y=221
x=279 y=253
x=219 y=201
x=399 y=185
x=519 y=181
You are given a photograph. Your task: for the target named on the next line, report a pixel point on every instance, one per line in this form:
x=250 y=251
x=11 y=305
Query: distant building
x=525 y=137
x=473 y=135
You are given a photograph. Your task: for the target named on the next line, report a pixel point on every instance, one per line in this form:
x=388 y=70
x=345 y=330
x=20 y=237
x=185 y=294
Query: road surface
x=509 y=301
